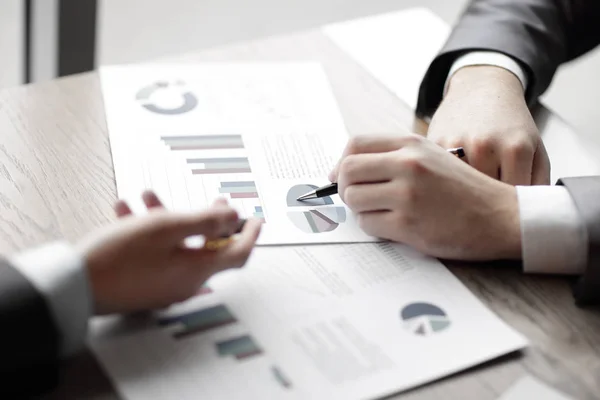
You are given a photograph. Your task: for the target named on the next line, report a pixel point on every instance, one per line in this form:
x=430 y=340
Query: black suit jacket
x=541 y=35
x=28 y=338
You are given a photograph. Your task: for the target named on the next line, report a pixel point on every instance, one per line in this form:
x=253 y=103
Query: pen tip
x=306 y=196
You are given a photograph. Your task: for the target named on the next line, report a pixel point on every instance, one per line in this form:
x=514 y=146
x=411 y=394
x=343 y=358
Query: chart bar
x=244 y=195
x=222 y=160
x=242 y=356
x=280 y=377
x=204 y=142
x=199 y=321
x=241 y=189
x=220 y=171
x=225 y=164
x=238 y=184
x=258 y=213
x=204 y=147
x=241 y=347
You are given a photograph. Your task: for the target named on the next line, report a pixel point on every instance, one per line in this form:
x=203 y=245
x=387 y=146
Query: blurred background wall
x=140 y=30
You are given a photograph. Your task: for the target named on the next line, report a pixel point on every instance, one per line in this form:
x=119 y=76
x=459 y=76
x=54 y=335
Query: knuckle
x=229 y=215
x=356 y=143
x=520 y=148
x=482 y=144
x=163 y=224
x=211 y=221
x=409 y=195
x=413 y=163
x=349 y=166
x=351 y=197
x=403 y=220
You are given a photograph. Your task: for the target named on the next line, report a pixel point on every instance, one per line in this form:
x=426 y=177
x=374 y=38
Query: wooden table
x=57 y=181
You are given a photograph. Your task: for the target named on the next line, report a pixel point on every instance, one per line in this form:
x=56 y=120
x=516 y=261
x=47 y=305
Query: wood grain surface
x=57 y=181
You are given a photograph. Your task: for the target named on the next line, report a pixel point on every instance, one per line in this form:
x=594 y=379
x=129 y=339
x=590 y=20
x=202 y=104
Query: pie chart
x=318 y=215
x=167 y=98
x=424 y=319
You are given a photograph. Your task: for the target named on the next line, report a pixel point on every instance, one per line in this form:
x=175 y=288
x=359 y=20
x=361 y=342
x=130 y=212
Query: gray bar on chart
x=238 y=184
x=217 y=160
x=220 y=171
x=192 y=141
x=249 y=189
x=200 y=137
x=229 y=165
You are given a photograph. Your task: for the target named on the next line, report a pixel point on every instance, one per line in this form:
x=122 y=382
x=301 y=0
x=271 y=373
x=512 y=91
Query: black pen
x=331 y=189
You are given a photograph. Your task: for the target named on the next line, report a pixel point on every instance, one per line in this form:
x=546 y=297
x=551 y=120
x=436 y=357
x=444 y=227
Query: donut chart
x=424 y=319
x=317 y=219
x=148 y=96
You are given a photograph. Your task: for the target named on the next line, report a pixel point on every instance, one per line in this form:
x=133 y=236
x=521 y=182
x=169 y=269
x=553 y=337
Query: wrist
x=484 y=78
x=507 y=223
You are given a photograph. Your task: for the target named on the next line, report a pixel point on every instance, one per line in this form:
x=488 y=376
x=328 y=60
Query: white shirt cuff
x=553 y=236
x=57 y=271
x=491 y=58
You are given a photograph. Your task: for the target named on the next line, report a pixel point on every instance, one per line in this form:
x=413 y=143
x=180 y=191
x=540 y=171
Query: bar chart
x=208 y=167
x=197 y=322
x=241 y=347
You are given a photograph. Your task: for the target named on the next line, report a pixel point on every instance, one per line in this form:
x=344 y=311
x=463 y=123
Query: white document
x=397 y=48
x=529 y=388
x=316 y=322
x=258 y=134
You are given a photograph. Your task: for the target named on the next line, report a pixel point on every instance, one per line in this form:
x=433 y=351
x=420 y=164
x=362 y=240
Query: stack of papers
x=320 y=321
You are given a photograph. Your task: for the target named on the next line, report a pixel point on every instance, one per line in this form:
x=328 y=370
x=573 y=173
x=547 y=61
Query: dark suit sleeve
x=585 y=192
x=28 y=338
x=540 y=34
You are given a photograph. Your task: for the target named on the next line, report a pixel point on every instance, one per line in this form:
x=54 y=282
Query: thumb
x=333 y=175
x=213 y=222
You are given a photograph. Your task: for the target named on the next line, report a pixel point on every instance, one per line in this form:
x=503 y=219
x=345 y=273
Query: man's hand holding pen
x=410 y=190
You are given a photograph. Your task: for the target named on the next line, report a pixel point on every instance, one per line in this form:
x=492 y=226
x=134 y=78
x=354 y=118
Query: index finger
x=237 y=253
x=369 y=144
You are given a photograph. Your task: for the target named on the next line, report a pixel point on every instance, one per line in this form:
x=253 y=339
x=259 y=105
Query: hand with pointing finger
x=410 y=190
